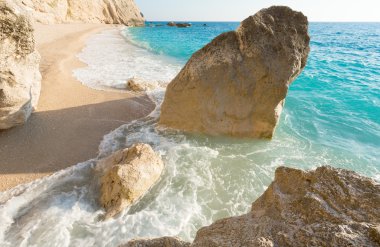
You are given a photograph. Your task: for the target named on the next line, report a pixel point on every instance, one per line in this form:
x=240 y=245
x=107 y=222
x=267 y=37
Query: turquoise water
x=334 y=105
x=331 y=116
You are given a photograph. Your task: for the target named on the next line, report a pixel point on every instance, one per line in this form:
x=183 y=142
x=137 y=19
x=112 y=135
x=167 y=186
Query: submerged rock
x=89 y=11
x=129 y=174
x=140 y=85
x=324 y=207
x=20 y=79
x=237 y=84
x=158 y=242
x=171 y=24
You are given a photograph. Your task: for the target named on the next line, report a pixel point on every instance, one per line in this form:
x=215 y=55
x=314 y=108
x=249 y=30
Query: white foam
x=112 y=60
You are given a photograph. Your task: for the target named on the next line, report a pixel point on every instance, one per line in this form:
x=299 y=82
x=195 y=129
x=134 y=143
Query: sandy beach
x=71 y=119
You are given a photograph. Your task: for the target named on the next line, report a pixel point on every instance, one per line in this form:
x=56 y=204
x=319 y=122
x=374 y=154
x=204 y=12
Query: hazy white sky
x=237 y=10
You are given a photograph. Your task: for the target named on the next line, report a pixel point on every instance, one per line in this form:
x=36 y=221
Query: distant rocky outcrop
x=128 y=175
x=324 y=207
x=89 y=11
x=173 y=24
x=183 y=25
x=20 y=79
x=237 y=84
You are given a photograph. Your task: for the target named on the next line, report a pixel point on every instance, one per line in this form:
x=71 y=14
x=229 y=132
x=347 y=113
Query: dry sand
x=71 y=119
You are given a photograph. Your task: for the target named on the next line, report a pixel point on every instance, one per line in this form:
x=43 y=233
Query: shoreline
x=71 y=118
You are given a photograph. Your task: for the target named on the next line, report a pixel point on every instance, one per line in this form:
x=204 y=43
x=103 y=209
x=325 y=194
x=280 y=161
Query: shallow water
x=331 y=117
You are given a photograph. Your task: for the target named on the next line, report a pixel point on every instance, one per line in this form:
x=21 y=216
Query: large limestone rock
x=89 y=11
x=129 y=174
x=20 y=79
x=237 y=84
x=325 y=207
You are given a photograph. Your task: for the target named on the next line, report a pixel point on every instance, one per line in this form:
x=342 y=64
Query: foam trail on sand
x=109 y=69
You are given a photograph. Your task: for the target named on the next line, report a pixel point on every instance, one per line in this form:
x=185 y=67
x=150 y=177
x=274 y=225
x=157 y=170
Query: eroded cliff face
x=323 y=207
x=89 y=11
x=20 y=79
x=237 y=84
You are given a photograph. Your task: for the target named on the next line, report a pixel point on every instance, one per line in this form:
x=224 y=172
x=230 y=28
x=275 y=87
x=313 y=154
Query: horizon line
x=241 y=21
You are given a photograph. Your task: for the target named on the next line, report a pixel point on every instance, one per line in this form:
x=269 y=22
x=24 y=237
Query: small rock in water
x=171 y=24
x=140 y=85
x=237 y=84
x=157 y=242
x=183 y=25
x=129 y=174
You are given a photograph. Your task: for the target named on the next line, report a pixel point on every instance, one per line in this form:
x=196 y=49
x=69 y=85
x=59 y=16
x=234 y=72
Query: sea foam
x=112 y=59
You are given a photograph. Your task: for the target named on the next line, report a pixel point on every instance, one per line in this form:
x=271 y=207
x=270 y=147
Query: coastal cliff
x=322 y=207
x=20 y=79
x=88 y=11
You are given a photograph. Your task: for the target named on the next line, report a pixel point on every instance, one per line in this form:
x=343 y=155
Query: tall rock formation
x=89 y=11
x=237 y=84
x=324 y=207
x=20 y=79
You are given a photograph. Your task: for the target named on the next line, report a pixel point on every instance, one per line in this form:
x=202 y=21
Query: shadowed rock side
x=89 y=11
x=129 y=174
x=324 y=207
x=236 y=85
x=20 y=79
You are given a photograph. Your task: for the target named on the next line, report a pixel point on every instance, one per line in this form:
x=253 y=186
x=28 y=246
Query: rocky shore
x=322 y=207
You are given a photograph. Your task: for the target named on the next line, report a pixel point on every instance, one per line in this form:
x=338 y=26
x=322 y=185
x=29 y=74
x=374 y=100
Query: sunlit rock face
x=324 y=207
x=236 y=85
x=89 y=11
x=20 y=79
x=128 y=175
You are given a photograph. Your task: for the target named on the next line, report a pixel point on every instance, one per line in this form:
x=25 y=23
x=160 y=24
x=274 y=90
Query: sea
x=331 y=117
